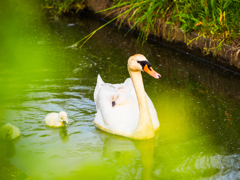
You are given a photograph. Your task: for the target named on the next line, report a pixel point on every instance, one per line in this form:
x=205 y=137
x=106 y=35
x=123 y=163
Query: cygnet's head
x=63 y=118
x=138 y=62
x=120 y=98
x=8 y=129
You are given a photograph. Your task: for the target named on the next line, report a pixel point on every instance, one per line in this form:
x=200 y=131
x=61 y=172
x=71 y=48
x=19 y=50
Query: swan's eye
x=144 y=63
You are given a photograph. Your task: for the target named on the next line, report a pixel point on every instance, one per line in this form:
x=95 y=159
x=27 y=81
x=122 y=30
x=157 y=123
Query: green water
x=197 y=104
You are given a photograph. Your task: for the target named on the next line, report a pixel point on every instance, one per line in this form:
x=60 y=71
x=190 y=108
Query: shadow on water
x=197 y=105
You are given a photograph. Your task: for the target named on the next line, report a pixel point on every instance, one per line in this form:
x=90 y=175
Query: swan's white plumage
x=122 y=118
x=9 y=131
x=56 y=119
x=116 y=118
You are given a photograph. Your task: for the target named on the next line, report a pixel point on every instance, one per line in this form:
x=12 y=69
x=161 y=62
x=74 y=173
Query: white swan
x=57 y=119
x=9 y=131
x=125 y=109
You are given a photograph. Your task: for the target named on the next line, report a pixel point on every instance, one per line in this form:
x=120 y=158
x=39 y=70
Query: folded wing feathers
x=100 y=83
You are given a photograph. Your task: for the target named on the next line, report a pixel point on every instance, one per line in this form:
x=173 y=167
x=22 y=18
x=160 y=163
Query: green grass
x=215 y=19
x=59 y=7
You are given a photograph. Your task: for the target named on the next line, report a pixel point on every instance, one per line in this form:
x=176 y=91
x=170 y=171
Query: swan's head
x=138 y=62
x=63 y=118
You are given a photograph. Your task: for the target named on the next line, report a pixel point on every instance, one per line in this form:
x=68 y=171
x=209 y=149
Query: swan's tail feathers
x=100 y=82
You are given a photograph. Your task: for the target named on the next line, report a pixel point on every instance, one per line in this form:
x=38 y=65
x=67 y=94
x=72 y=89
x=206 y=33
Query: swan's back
x=122 y=116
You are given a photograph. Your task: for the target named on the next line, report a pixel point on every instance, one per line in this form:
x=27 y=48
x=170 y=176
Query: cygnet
x=57 y=119
x=9 y=132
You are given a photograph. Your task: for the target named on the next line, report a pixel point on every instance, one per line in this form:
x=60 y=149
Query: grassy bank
x=214 y=19
x=60 y=7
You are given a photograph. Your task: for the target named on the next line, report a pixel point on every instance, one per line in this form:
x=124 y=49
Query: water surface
x=197 y=105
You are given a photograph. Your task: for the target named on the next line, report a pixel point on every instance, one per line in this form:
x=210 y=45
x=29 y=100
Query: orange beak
x=151 y=72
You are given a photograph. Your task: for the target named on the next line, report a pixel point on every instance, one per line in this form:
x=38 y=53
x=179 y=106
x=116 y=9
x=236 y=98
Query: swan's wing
x=128 y=83
x=103 y=99
x=100 y=83
x=122 y=117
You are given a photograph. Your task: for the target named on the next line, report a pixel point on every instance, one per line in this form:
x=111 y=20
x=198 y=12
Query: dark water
x=197 y=105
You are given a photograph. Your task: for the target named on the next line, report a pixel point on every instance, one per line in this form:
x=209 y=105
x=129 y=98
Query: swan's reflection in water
x=10 y=148
x=7 y=148
x=126 y=152
x=7 y=151
x=61 y=131
x=63 y=134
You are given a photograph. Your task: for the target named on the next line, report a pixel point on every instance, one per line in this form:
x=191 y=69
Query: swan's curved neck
x=144 y=129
